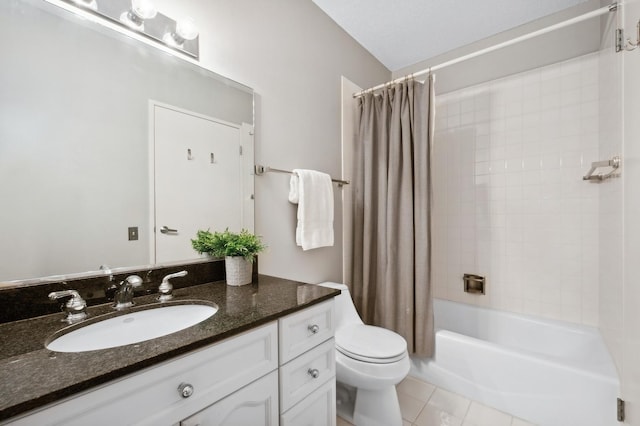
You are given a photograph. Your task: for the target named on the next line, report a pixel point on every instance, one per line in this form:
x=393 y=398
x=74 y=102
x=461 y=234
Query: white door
x=197 y=179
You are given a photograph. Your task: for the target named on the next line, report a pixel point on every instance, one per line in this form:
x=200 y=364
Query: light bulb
x=186 y=29
x=143 y=9
x=140 y=11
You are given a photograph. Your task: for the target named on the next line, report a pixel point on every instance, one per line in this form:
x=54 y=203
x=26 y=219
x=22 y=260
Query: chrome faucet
x=76 y=307
x=166 y=289
x=123 y=297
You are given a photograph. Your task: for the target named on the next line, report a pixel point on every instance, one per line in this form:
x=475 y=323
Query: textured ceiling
x=400 y=33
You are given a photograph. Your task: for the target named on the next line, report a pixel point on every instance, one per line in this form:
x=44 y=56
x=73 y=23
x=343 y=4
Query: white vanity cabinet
x=254 y=405
x=308 y=367
x=152 y=397
x=279 y=373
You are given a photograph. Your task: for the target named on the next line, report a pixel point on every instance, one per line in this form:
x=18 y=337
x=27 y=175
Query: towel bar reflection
x=614 y=163
x=260 y=170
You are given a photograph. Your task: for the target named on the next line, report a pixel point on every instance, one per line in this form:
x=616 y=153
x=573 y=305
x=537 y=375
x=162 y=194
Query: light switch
x=133 y=233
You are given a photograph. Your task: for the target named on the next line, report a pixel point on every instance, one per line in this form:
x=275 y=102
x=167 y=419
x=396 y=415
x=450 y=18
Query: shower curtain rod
x=594 y=13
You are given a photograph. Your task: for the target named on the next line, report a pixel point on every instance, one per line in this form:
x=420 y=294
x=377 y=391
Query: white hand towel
x=313 y=192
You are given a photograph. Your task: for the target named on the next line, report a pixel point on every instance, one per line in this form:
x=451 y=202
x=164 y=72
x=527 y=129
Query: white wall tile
x=610 y=299
x=530 y=223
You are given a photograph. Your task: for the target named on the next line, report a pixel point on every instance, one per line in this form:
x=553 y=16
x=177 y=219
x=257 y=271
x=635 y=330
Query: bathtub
x=550 y=373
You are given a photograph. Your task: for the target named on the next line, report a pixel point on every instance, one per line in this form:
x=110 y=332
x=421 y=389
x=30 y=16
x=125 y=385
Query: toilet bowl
x=370 y=361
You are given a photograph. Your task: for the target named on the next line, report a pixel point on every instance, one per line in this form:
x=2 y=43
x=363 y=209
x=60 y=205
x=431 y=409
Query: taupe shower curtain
x=391 y=283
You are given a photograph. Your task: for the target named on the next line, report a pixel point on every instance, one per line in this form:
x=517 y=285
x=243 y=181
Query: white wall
x=349 y=132
x=509 y=199
x=293 y=55
x=630 y=372
x=619 y=291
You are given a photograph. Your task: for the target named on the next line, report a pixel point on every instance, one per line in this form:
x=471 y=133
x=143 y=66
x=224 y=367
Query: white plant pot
x=237 y=270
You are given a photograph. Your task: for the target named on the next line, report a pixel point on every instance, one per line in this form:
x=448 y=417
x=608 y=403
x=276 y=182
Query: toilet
x=370 y=361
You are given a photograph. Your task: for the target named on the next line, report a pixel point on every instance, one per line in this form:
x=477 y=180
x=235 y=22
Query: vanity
x=266 y=357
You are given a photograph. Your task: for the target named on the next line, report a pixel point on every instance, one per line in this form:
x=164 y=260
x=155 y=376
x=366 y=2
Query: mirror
x=77 y=135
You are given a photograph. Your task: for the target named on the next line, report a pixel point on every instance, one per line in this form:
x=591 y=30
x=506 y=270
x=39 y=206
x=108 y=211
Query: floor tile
x=449 y=402
x=481 y=415
x=434 y=416
x=410 y=407
x=443 y=408
x=416 y=388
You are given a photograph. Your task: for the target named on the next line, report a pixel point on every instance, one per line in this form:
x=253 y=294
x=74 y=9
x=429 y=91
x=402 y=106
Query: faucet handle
x=166 y=288
x=132 y=280
x=76 y=307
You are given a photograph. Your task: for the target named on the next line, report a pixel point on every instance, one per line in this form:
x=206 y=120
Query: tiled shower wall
x=611 y=318
x=509 y=199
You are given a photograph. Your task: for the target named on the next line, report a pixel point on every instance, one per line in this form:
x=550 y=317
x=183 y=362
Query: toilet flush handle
x=314 y=328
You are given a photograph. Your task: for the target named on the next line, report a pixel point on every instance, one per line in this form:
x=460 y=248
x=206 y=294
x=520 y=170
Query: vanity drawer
x=305 y=374
x=151 y=397
x=318 y=409
x=303 y=330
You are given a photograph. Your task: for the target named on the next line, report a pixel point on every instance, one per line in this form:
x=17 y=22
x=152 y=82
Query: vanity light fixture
x=140 y=11
x=185 y=30
x=142 y=17
x=87 y=4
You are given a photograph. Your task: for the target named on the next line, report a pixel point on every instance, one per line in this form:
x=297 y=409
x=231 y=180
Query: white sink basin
x=132 y=328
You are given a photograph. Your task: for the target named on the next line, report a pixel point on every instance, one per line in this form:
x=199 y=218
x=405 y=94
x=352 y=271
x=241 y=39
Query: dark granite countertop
x=32 y=376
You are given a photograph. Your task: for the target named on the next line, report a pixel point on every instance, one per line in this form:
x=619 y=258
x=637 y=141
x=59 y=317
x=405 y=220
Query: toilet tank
x=345 y=309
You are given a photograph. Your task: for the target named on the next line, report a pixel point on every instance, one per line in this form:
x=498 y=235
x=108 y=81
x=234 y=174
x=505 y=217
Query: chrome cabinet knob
x=314 y=328
x=185 y=390
x=313 y=372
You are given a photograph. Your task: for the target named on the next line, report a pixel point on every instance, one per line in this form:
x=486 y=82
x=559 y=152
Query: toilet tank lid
x=337 y=286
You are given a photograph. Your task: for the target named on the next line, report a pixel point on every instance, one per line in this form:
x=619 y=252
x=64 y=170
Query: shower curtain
x=391 y=241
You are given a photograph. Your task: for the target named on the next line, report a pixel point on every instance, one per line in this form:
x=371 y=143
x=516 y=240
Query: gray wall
x=551 y=48
x=293 y=55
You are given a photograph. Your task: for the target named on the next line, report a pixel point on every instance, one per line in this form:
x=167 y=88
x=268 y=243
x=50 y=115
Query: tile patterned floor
x=423 y=404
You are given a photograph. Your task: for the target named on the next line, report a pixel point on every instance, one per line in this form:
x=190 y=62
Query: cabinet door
x=255 y=404
x=317 y=409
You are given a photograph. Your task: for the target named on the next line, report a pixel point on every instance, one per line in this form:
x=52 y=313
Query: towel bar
x=260 y=170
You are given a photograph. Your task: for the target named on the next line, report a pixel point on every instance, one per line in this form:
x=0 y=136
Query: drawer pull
x=314 y=328
x=185 y=390
x=313 y=372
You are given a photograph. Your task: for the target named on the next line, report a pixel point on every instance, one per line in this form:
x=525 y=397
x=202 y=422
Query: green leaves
x=221 y=244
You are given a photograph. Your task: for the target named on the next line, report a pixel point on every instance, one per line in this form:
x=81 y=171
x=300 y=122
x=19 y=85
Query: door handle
x=167 y=230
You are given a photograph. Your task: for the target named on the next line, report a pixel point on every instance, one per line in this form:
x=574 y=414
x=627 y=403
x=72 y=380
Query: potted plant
x=238 y=249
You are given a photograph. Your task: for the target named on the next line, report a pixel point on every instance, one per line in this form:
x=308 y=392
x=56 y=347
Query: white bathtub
x=550 y=373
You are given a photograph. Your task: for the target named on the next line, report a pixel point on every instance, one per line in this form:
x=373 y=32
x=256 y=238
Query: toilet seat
x=370 y=344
